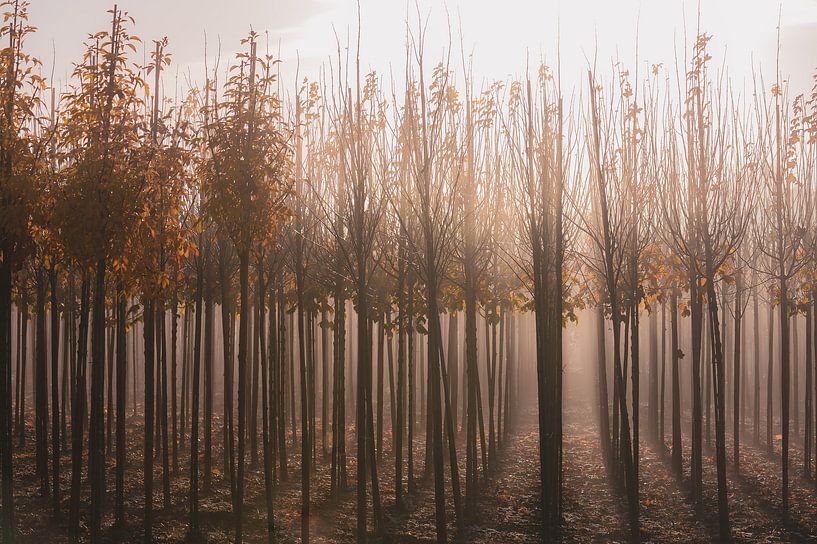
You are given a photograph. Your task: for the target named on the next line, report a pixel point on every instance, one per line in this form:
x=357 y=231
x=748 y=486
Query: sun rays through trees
x=375 y=308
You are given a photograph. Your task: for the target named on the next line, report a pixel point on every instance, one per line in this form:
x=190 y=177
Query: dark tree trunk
x=148 y=334
x=41 y=384
x=78 y=410
x=96 y=438
x=174 y=322
x=601 y=383
x=243 y=264
x=121 y=382
x=736 y=405
x=209 y=371
x=785 y=387
x=6 y=468
x=677 y=447
x=654 y=374
x=265 y=434
x=55 y=392
x=194 y=407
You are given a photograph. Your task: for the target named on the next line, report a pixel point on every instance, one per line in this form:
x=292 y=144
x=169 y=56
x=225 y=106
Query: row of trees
x=139 y=222
x=369 y=222
x=700 y=201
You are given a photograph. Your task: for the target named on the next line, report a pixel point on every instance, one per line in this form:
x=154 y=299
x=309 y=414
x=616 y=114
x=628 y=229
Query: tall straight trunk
x=719 y=383
x=756 y=335
x=402 y=332
x=157 y=387
x=78 y=409
x=364 y=348
x=381 y=340
x=148 y=333
x=306 y=450
x=265 y=434
x=377 y=507
x=194 y=407
x=185 y=371
x=291 y=378
x=511 y=400
x=785 y=386
x=392 y=385
x=121 y=382
x=111 y=333
x=501 y=363
x=736 y=405
x=635 y=360
x=435 y=377
x=67 y=352
x=228 y=355
x=41 y=385
x=311 y=374
x=412 y=335
x=795 y=374
x=273 y=358
x=174 y=335
x=209 y=371
x=338 y=468
x=707 y=359
x=653 y=419
x=812 y=360
x=471 y=390
x=720 y=415
x=162 y=354
x=21 y=388
x=6 y=459
x=252 y=382
x=808 y=399
x=55 y=392
x=696 y=462
x=450 y=432
x=601 y=384
x=244 y=310
x=769 y=383
x=96 y=439
x=490 y=338
x=677 y=447
x=663 y=404
x=453 y=360
x=324 y=378
x=281 y=385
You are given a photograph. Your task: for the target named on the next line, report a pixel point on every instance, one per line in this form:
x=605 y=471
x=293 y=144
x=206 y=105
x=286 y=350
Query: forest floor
x=594 y=510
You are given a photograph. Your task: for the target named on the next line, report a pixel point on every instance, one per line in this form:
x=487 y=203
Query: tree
x=20 y=86
x=103 y=186
x=243 y=180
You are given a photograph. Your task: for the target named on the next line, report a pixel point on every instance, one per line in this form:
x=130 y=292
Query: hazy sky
x=500 y=34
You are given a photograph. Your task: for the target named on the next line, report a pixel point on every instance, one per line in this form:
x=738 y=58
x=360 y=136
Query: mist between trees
x=251 y=282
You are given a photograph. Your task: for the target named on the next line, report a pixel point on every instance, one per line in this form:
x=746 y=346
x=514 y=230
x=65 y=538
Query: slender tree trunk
x=96 y=448
x=78 y=410
x=209 y=371
x=194 y=406
x=601 y=383
x=148 y=332
x=769 y=384
x=121 y=382
x=243 y=265
x=736 y=413
x=677 y=447
x=265 y=435
x=55 y=392
x=41 y=385
x=756 y=330
x=6 y=459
